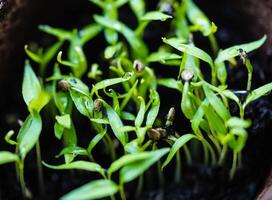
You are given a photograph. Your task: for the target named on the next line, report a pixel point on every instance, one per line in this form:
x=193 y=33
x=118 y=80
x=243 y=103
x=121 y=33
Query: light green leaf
x=154 y=110
x=189 y=49
x=94 y=190
x=257 y=93
x=162 y=57
x=216 y=103
x=155 y=15
x=135 y=42
x=233 y=51
x=180 y=142
x=116 y=123
x=141 y=113
x=89 y=32
x=235 y=122
x=128 y=159
x=135 y=169
x=171 y=83
x=109 y=82
x=31 y=85
x=60 y=33
x=7 y=157
x=81 y=165
x=138 y=7
x=64 y=120
x=84 y=104
x=29 y=133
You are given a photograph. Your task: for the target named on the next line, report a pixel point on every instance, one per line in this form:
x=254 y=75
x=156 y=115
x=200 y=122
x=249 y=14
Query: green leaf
x=187 y=105
x=81 y=165
x=116 y=123
x=84 y=104
x=189 y=49
x=109 y=82
x=60 y=33
x=73 y=150
x=135 y=42
x=128 y=159
x=35 y=57
x=257 y=93
x=171 y=83
x=233 y=51
x=215 y=122
x=8 y=138
x=7 y=157
x=31 y=85
x=238 y=123
x=138 y=7
x=29 y=133
x=162 y=57
x=180 y=142
x=140 y=116
x=135 y=169
x=94 y=190
x=64 y=120
x=77 y=85
x=216 y=103
x=96 y=139
x=89 y=32
x=199 y=19
x=155 y=15
x=58 y=130
x=154 y=110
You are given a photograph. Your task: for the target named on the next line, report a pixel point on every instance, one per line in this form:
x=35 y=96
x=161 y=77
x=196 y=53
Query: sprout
x=170 y=117
x=157 y=134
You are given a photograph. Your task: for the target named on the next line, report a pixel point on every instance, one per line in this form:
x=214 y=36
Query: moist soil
x=198 y=181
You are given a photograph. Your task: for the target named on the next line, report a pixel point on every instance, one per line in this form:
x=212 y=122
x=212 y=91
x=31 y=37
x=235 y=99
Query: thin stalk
x=122 y=192
x=250 y=70
x=234 y=165
x=178 y=168
x=223 y=155
x=187 y=154
x=214 y=44
x=25 y=192
x=159 y=165
x=40 y=170
x=111 y=147
x=139 y=187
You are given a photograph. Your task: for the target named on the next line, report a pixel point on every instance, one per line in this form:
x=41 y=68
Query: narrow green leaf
x=64 y=120
x=29 y=133
x=94 y=190
x=135 y=42
x=81 y=165
x=138 y=7
x=180 y=142
x=31 y=85
x=135 y=169
x=170 y=83
x=257 y=93
x=233 y=51
x=216 y=103
x=60 y=33
x=7 y=157
x=154 y=110
x=238 y=123
x=115 y=123
x=109 y=82
x=162 y=57
x=89 y=32
x=141 y=113
x=155 y=15
x=189 y=49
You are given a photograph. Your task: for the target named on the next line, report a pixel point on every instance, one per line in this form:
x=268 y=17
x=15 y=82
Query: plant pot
x=70 y=12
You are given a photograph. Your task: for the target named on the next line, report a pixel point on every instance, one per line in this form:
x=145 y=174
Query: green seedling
x=122 y=103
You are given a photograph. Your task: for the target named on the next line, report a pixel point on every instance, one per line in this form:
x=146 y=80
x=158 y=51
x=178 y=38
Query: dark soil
x=198 y=181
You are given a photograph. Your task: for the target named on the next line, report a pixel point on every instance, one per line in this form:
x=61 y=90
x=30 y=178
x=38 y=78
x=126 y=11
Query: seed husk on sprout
x=63 y=85
x=97 y=105
x=187 y=75
x=138 y=66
